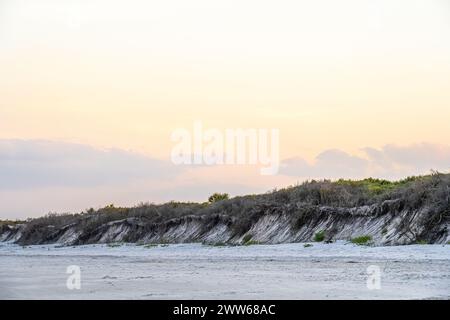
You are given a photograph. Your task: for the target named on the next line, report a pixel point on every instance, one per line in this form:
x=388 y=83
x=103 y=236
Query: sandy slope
x=193 y=271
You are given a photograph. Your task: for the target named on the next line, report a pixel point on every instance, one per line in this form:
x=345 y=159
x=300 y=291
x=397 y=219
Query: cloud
x=419 y=157
x=37 y=163
x=391 y=162
x=328 y=164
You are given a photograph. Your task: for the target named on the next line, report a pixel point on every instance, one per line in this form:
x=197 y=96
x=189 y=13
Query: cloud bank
x=390 y=162
x=38 y=164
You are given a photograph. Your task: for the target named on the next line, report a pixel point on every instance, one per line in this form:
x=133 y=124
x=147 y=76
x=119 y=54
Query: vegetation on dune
x=301 y=202
x=247 y=240
x=361 y=240
x=376 y=186
x=11 y=222
x=319 y=236
x=218 y=197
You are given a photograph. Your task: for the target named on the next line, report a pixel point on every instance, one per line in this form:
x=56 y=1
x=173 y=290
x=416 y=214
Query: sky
x=91 y=91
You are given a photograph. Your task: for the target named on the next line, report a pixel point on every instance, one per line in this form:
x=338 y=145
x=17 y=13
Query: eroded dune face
x=386 y=224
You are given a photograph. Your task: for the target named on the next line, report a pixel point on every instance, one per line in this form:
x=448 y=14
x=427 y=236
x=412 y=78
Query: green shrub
x=247 y=238
x=421 y=242
x=307 y=245
x=319 y=236
x=218 y=197
x=361 y=240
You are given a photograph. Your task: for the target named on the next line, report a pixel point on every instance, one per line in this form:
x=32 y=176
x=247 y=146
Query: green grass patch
x=377 y=186
x=361 y=240
x=319 y=236
x=11 y=222
x=247 y=238
x=150 y=246
x=307 y=245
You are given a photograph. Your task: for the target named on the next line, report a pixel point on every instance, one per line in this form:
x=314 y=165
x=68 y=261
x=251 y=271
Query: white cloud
x=391 y=162
x=328 y=164
x=26 y=164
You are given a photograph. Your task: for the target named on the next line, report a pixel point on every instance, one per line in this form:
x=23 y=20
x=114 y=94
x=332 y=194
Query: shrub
x=11 y=222
x=247 y=238
x=319 y=236
x=218 y=197
x=307 y=245
x=361 y=240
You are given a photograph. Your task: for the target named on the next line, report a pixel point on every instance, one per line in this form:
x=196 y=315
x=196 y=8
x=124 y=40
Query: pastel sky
x=90 y=92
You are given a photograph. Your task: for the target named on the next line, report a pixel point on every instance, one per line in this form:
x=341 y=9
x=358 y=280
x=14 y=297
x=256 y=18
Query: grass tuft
x=247 y=238
x=319 y=236
x=361 y=240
